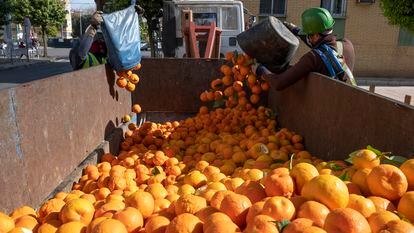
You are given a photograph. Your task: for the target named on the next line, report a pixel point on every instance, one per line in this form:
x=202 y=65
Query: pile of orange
x=226 y=170
x=127 y=79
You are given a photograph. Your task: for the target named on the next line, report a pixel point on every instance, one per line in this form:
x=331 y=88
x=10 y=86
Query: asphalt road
x=15 y=76
x=19 y=75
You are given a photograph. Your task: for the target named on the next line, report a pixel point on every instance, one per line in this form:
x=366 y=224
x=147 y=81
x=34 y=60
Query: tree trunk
x=44 y=37
x=151 y=40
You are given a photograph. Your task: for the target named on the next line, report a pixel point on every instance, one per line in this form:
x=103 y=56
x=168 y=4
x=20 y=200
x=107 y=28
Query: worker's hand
x=255 y=67
x=96 y=19
x=139 y=9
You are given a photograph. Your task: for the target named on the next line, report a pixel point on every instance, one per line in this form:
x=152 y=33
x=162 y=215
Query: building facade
x=66 y=29
x=382 y=50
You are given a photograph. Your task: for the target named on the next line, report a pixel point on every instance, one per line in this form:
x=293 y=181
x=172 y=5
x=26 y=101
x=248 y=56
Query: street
x=22 y=74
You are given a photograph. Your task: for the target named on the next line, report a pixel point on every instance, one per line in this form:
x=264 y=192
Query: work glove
x=258 y=69
x=139 y=9
x=292 y=27
x=96 y=19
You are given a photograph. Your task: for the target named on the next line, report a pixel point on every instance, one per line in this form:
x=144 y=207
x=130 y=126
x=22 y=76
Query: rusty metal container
x=50 y=126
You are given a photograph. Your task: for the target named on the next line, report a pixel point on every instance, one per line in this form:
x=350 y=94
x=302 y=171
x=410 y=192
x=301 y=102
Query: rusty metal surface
x=48 y=128
x=174 y=84
x=336 y=119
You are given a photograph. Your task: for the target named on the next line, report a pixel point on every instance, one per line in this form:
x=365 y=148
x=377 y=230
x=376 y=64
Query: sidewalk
x=6 y=64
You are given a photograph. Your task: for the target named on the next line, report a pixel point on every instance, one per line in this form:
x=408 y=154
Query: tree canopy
x=399 y=12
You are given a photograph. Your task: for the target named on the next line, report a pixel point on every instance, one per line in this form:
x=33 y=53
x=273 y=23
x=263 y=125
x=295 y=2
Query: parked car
x=144 y=46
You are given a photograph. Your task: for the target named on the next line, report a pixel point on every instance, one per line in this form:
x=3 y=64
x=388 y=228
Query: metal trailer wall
x=50 y=126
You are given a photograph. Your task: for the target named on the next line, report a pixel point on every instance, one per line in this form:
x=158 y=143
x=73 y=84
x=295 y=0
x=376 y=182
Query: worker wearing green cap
x=328 y=55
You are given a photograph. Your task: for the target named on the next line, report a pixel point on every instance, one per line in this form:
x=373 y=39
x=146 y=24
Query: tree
x=152 y=9
x=86 y=20
x=46 y=14
x=399 y=12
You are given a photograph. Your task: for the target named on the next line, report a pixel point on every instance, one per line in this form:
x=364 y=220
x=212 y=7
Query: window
x=273 y=7
x=229 y=18
x=405 y=38
x=204 y=19
x=336 y=7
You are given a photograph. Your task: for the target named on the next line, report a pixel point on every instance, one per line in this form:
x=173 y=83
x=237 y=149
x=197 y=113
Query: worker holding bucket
x=328 y=56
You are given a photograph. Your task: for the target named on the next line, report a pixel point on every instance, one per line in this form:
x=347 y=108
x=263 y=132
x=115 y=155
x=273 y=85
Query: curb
x=25 y=65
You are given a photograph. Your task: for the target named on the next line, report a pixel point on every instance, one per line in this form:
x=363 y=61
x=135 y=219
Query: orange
x=130 y=86
x=28 y=222
x=379 y=220
x=77 y=210
x=156 y=224
x=298 y=225
x=109 y=226
x=382 y=204
x=387 y=181
x=261 y=223
x=279 y=183
x=121 y=82
x=157 y=190
x=20 y=230
x=94 y=223
x=72 y=227
x=233 y=183
x=360 y=179
x=361 y=204
x=298 y=201
x=109 y=209
x=397 y=226
x=204 y=213
x=303 y=173
x=408 y=169
x=189 y=204
x=406 y=204
x=131 y=218
x=365 y=159
x=254 y=210
x=161 y=204
x=218 y=198
x=185 y=223
x=195 y=179
x=346 y=220
x=352 y=188
x=49 y=227
x=251 y=189
x=328 y=190
x=143 y=201
x=279 y=208
x=23 y=211
x=314 y=211
x=219 y=222
x=236 y=207
x=313 y=229
x=226 y=70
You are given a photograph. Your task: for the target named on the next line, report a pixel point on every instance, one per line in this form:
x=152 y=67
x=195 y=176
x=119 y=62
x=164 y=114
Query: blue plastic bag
x=122 y=37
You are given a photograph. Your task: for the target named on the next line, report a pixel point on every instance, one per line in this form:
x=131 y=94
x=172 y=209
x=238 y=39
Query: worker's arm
x=295 y=30
x=80 y=52
x=293 y=74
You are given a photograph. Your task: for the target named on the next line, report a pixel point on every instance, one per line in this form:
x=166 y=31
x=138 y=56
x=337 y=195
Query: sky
x=82 y=4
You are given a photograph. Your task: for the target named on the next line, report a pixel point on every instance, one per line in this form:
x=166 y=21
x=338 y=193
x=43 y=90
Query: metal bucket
x=270 y=42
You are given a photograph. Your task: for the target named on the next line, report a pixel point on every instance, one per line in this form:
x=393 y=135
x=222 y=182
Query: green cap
x=316 y=20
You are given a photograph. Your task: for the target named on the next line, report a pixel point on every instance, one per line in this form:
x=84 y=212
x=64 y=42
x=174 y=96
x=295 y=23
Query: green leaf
x=351 y=157
x=281 y=224
x=402 y=216
x=279 y=161
x=235 y=96
x=344 y=177
x=155 y=171
x=335 y=167
x=219 y=103
x=376 y=151
x=393 y=160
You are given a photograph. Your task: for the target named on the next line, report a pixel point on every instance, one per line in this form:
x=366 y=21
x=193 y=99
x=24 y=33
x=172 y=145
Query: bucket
x=270 y=43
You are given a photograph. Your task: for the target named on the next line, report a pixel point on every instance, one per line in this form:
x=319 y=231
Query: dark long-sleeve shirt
x=310 y=62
